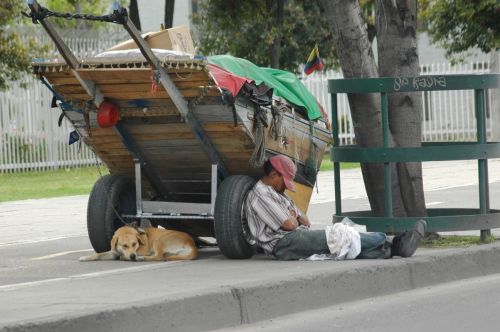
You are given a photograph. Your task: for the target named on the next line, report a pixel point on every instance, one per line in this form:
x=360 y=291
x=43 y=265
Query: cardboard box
x=176 y=39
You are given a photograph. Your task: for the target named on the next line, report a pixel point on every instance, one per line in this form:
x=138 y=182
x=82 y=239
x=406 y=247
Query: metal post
x=213 y=195
x=138 y=187
x=387 y=165
x=336 y=165
x=484 y=204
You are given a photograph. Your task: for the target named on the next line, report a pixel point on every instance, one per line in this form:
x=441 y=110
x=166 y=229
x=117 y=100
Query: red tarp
x=227 y=80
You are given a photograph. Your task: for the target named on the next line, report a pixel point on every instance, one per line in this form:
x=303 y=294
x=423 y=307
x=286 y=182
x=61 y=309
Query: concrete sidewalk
x=214 y=292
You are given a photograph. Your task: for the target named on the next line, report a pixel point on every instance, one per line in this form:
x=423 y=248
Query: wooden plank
x=138 y=104
x=158 y=128
x=104 y=140
x=102 y=153
x=69 y=89
x=119 y=159
x=173 y=150
x=163 y=136
x=186 y=93
x=237 y=156
x=222 y=127
x=179 y=177
x=146 y=86
x=166 y=143
x=104 y=132
x=179 y=157
x=56 y=81
x=186 y=170
x=108 y=146
x=135 y=75
x=58 y=74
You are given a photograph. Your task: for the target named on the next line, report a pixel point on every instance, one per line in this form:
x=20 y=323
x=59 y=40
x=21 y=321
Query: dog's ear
x=114 y=242
x=141 y=231
x=141 y=241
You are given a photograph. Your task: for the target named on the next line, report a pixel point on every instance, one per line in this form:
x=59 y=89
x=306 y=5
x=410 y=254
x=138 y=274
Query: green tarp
x=284 y=84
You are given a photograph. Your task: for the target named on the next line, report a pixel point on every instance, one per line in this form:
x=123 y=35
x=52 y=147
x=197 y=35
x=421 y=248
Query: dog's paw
x=85 y=258
x=139 y=258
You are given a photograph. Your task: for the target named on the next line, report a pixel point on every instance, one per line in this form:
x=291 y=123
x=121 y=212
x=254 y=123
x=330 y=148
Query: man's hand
x=290 y=224
x=303 y=220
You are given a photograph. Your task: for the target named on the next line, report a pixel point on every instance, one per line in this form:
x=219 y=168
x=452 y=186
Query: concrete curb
x=255 y=301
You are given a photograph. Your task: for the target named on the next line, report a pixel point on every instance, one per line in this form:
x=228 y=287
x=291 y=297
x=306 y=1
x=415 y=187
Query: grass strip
x=327 y=164
x=453 y=241
x=74 y=181
x=45 y=184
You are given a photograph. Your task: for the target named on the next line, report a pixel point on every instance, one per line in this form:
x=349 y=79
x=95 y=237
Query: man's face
x=277 y=181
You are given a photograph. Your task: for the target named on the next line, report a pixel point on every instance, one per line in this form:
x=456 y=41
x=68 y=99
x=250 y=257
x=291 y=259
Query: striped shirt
x=266 y=210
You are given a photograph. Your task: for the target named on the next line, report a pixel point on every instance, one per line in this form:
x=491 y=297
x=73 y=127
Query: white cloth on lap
x=343 y=241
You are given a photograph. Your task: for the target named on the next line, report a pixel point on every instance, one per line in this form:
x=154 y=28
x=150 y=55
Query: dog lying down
x=148 y=244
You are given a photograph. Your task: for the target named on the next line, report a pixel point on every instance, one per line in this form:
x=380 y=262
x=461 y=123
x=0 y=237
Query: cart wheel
x=111 y=195
x=231 y=228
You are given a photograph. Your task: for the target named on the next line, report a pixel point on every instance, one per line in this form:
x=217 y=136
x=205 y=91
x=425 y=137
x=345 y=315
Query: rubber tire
x=229 y=220
x=109 y=191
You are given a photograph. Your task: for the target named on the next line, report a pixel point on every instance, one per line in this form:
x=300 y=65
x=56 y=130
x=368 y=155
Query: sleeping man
x=281 y=230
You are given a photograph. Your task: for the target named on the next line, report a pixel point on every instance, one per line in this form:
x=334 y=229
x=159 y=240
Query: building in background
x=151 y=13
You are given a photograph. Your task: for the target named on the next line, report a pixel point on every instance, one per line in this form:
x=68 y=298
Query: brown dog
x=148 y=244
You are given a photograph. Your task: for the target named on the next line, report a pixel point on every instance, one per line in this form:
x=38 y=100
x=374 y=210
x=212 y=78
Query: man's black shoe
x=406 y=244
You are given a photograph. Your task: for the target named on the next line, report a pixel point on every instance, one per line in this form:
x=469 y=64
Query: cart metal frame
x=146 y=209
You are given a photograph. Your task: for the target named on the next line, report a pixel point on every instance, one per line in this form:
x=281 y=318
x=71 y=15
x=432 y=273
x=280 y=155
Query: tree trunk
x=169 y=13
x=396 y=23
x=495 y=98
x=278 y=25
x=356 y=59
x=133 y=13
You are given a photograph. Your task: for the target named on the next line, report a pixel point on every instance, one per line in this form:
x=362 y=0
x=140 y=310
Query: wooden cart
x=178 y=157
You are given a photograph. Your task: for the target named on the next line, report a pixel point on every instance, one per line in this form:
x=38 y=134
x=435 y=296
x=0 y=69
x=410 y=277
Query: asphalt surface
x=44 y=287
x=464 y=305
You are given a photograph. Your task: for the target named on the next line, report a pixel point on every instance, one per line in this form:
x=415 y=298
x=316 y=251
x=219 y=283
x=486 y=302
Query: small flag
x=314 y=62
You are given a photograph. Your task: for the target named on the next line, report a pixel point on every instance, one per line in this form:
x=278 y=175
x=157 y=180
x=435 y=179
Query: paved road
x=465 y=305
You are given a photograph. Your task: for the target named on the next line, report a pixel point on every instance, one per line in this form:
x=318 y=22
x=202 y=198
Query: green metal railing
x=437 y=219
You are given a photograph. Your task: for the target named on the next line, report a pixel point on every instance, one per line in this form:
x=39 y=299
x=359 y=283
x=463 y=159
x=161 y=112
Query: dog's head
x=126 y=241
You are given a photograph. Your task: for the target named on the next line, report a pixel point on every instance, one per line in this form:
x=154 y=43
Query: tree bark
x=133 y=13
x=357 y=60
x=169 y=13
x=278 y=25
x=398 y=56
x=396 y=23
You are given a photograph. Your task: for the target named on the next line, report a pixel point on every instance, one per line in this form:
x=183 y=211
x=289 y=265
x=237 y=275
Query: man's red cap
x=286 y=167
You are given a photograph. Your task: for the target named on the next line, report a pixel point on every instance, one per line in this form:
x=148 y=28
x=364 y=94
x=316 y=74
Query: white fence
x=446 y=115
x=31 y=140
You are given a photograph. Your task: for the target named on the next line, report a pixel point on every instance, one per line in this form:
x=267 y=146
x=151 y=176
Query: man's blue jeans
x=304 y=243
